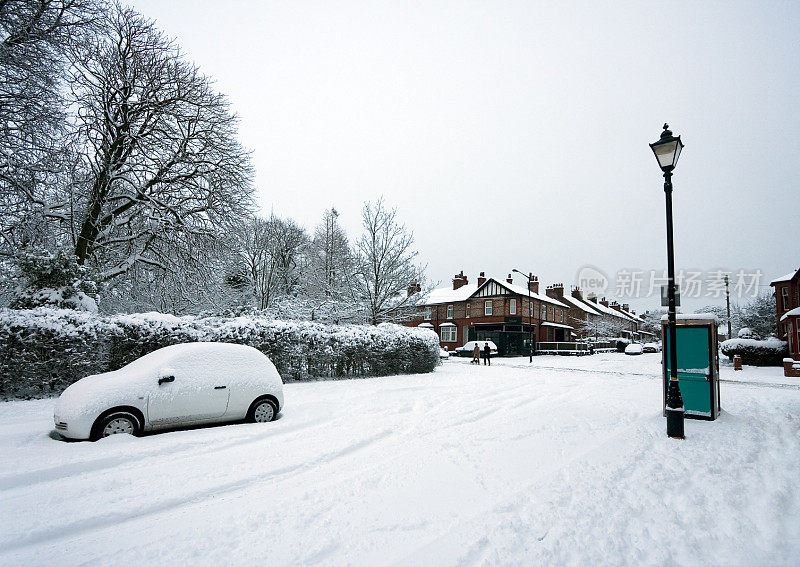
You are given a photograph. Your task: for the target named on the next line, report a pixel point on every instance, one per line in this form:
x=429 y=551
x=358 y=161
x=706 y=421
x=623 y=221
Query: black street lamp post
x=667 y=150
x=530 y=315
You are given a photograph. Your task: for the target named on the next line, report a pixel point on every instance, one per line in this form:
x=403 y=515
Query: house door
x=466 y=336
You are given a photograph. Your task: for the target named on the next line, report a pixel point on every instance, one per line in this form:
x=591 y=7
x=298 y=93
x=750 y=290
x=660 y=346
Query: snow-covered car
x=466 y=350
x=444 y=353
x=185 y=384
x=634 y=348
x=651 y=347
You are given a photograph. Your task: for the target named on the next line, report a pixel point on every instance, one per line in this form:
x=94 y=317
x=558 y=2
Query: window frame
x=512 y=307
x=785 y=297
x=466 y=311
x=428 y=313
x=449 y=311
x=452 y=334
x=488 y=308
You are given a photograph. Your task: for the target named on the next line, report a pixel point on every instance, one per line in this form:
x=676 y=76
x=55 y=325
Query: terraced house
x=493 y=309
x=787 y=305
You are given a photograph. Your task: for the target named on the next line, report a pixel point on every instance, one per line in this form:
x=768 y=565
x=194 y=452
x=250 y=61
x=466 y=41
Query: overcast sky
x=514 y=134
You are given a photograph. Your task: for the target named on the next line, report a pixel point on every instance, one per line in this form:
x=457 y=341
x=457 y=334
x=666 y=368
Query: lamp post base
x=675 y=423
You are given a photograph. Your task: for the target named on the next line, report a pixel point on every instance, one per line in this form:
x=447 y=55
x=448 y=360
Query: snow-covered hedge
x=44 y=350
x=769 y=352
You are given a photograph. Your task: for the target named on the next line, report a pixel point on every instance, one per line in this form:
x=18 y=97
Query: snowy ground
x=564 y=462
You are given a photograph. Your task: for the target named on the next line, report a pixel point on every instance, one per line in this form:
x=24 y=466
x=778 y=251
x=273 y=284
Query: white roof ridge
x=785 y=278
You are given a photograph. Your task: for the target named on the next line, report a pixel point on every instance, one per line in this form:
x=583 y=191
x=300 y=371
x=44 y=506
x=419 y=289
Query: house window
x=487 y=307
x=543 y=313
x=449 y=334
x=561 y=315
x=785 y=294
x=530 y=309
x=449 y=311
x=427 y=313
x=466 y=311
x=513 y=307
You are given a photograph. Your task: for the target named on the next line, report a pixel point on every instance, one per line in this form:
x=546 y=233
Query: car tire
x=263 y=410
x=118 y=422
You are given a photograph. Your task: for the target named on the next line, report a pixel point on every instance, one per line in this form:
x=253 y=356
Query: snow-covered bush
x=44 y=350
x=53 y=280
x=746 y=333
x=757 y=353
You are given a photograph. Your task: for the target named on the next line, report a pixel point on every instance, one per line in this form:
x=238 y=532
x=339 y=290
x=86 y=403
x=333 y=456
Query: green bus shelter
x=698 y=364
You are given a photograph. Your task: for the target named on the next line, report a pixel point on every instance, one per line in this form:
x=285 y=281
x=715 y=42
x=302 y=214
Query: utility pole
x=728 y=300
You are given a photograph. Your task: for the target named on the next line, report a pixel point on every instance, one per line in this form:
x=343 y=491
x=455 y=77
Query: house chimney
x=615 y=306
x=555 y=291
x=604 y=302
x=481 y=279
x=414 y=288
x=577 y=293
x=509 y=279
x=459 y=280
x=533 y=283
x=626 y=307
x=592 y=297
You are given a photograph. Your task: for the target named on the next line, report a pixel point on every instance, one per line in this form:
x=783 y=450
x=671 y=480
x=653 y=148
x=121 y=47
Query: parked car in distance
x=651 y=347
x=466 y=350
x=185 y=384
x=444 y=353
x=634 y=348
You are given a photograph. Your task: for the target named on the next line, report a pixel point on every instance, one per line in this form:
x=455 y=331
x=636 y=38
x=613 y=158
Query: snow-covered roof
x=449 y=295
x=442 y=295
x=582 y=305
x=786 y=278
x=613 y=312
x=425 y=325
x=448 y=324
x=520 y=290
x=559 y=325
x=791 y=313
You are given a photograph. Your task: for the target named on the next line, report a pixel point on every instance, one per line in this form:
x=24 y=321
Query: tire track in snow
x=68 y=470
x=196 y=497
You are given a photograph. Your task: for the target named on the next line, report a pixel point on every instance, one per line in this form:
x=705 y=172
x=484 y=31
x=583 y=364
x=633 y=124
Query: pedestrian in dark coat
x=487 y=354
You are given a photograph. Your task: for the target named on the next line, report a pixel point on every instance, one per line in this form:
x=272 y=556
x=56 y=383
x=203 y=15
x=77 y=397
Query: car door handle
x=166 y=379
x=220 y=387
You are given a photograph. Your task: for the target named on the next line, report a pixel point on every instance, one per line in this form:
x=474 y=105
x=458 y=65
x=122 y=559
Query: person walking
x=487 y=354
x=476 y=355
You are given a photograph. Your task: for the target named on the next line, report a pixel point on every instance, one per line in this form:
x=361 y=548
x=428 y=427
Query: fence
x=563 y=348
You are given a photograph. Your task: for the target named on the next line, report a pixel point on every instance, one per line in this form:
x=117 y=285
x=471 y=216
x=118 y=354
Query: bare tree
x=35 y=157
x=385 y=264
x=271 y=258
x=159 y=150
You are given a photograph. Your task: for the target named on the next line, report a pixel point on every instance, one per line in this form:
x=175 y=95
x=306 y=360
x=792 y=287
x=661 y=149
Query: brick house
x=492 y=309
x=607 y=315
x=787 y=305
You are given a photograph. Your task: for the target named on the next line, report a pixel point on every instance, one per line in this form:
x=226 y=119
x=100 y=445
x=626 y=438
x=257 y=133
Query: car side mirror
x=166 y=379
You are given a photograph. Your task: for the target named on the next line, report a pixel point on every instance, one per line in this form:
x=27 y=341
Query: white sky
x=514 y=134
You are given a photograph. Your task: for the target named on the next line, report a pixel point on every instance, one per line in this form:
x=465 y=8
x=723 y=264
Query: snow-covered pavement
x=563 y=462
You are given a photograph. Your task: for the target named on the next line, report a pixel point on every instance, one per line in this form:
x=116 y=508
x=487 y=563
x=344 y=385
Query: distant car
x=185 y=384
x=466 y=350
x=444 y=353
x=634 y=348
x=651 y=347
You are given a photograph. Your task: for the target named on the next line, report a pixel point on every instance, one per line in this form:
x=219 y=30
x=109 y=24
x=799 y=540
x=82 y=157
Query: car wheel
x=262 y=411
x=119 y=423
